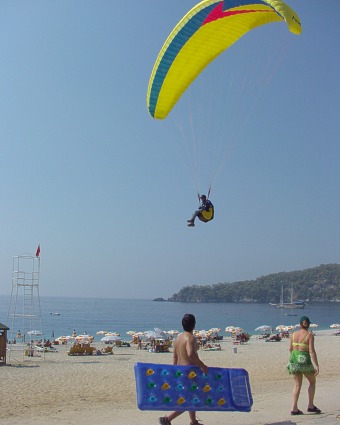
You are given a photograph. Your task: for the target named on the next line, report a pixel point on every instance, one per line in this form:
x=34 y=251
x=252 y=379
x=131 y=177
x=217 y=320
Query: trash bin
x=234 y=350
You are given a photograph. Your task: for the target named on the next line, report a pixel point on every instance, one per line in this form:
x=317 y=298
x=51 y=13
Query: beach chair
x=89 y=350
x=107 y=350
x=76 y=350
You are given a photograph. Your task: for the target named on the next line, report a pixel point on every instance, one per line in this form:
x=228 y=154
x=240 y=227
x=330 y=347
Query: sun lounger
x=76 y=350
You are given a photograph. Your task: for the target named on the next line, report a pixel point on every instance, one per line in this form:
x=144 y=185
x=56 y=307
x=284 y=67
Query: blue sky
x=105 y=190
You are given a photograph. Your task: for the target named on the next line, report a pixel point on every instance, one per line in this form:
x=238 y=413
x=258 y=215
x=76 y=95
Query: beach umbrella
x=69 y=337
x=263 y=328
x=101 y=332
x=84 y=339
x=155 y=334
x=281 y=327
x=173 y=332
x=160 y=333
x=335 y=326
x=285 y=328
x=61 y=339
x=202 y=333
x=217 y=330
x=151 y=335
x=110 y=338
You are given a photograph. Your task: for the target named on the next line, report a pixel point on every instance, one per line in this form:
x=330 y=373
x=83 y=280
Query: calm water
x=117 y=315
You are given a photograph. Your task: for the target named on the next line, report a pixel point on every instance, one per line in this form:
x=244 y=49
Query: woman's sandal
x=298 y=412
x=314 y=410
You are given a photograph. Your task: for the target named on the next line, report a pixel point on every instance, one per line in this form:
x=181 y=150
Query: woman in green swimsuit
x=303 y=361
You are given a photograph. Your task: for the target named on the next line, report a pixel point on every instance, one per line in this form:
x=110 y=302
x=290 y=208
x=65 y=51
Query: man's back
x=184 y=349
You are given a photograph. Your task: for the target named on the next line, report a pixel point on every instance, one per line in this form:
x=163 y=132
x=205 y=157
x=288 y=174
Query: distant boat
x=296 y=304
x=55 y=314
x=292 y=304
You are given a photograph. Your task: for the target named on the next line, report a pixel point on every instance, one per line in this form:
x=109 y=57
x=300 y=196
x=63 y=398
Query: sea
x=61 y=315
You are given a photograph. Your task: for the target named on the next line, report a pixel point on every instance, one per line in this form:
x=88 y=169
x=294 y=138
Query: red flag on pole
x=38 y=251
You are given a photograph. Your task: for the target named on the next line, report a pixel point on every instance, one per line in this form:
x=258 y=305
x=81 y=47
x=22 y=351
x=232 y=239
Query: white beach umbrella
x=110 y=338
x=69 y=337
x=173 y=332
x=160 y=333
x=217 y=330
x=286 y=328
x=263 y=328
x=335 y=326
x=150 y=334
x=61 y=339
x=155 y=334
x=84 y=339
x=280 y=327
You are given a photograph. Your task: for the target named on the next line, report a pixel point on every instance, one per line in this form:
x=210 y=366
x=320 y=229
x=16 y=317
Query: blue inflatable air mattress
x=181 y=388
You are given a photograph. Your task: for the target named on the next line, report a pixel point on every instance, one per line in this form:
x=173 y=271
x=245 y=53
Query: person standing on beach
x=185 y=353
x=303 y=361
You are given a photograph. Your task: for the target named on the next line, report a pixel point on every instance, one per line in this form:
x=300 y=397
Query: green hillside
x=320 y=283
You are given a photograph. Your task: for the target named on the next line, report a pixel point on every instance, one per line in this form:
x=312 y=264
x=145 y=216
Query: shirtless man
x=185 y=353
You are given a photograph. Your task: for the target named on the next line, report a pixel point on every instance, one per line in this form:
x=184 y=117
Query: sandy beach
x=63 y=389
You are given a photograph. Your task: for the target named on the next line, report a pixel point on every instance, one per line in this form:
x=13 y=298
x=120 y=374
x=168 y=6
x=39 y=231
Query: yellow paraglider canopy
x=208 y=29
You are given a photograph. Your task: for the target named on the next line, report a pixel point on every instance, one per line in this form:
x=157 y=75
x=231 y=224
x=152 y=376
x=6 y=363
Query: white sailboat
x=292 y=304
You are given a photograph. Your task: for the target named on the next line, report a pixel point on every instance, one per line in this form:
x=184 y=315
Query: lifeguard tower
x=24 y=312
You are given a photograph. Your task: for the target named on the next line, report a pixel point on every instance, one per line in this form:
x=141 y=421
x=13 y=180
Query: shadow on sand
x=281 y=423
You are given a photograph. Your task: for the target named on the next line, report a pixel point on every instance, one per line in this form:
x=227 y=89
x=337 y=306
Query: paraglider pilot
x=205 y=212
